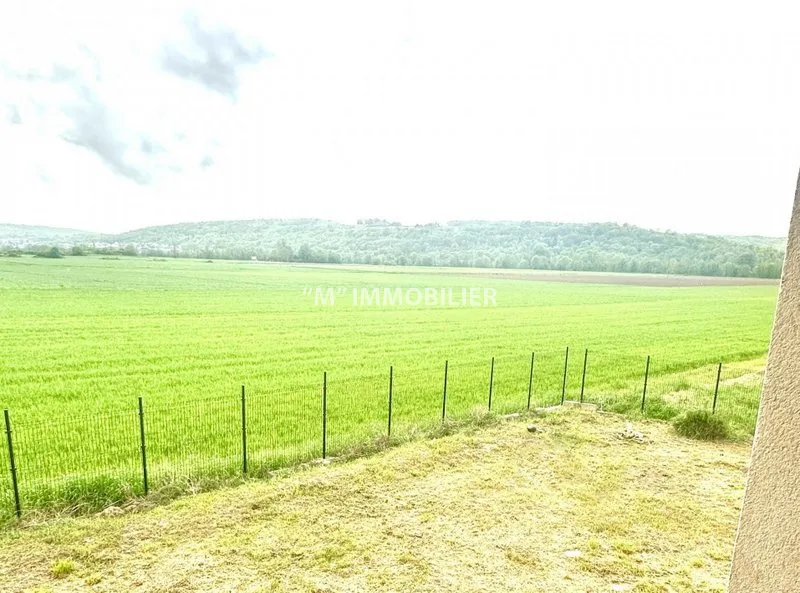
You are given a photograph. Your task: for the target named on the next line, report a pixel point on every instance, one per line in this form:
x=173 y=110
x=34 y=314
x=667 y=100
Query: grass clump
x=701 y=424
x=62 y=569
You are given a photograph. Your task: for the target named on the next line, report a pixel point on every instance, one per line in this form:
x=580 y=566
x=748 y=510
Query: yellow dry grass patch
x=570 y=508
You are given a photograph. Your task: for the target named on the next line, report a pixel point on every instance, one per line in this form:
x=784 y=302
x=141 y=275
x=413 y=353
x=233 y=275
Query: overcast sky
x=678 y=115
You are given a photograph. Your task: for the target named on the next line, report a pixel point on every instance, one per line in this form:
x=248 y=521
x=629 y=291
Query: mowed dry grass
x=572 y=507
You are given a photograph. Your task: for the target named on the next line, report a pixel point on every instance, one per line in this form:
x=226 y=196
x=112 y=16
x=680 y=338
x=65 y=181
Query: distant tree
x=281 y=252
x=747 y=259
x=538 y=245
x=304 y=254
x=51 y=253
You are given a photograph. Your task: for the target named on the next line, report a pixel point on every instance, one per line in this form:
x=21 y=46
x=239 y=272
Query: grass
x=84 y=337
x=62 y=569
x=572 y=507
x=700 y=424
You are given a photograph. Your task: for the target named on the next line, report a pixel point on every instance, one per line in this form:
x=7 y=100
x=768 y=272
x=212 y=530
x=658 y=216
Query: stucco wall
x=766 y=557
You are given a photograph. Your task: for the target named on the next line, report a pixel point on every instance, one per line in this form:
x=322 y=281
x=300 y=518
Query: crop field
x=84 y=337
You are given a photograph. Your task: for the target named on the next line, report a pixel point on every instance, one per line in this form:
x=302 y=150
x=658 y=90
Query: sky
x=680 y=115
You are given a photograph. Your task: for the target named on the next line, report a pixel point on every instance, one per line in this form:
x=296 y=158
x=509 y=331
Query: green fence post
x=491 y=383
x=244 y=433
x=564 y=382
x=324 y=414
x=646 y=375
x=389 y=425
x=583 y=377
x=15 y=486
x=444 y=392
x=530 y=379
x=142 y=444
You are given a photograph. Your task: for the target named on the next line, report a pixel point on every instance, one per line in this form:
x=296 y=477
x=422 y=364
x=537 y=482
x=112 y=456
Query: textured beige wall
x=766 y=558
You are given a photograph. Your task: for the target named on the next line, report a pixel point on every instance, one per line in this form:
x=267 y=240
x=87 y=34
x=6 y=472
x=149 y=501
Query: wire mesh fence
x=7 y=507
x=283 y=427
x=548 y=377
x=194 y=439
x=738 y=396
x=85 y=461
x=614 y=381
x=417 y=399
x=88 y=462
x=357 y=410
x=511 y=379
x=467 y=387
x=672 y=389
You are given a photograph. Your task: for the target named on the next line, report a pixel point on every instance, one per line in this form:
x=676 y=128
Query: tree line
x=527 y=245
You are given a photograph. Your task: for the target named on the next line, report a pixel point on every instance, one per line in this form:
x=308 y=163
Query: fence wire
x=739 y=395
x=283 y=427
x=192 y=440
x=467 y=387
x=6 y=493
x=89 y=462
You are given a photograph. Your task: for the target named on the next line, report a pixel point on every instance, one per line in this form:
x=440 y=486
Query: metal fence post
x=324 y=414
x=646 y=375
x=142 y=443
x=583 y=377
x=530 y=379
x=491 y=384
x=14 y=485
x=389 y=424
x=444 y=392
x=564 y=382
x=244 y=433
x=716 y=390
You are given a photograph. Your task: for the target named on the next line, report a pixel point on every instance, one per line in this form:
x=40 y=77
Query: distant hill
x=776 y=242
x=534 y=245
x=21 y=234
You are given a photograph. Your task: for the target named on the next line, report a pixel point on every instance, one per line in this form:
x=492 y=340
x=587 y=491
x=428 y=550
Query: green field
x=84 y=337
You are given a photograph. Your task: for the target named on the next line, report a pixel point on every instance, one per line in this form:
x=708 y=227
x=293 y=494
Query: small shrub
x=659 y=409
x=52 y=253
x=62 y=568
x=700 y=424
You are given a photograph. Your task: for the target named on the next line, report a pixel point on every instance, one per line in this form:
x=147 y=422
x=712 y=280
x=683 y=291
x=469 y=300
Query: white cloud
x=682 y=116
